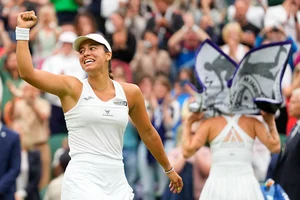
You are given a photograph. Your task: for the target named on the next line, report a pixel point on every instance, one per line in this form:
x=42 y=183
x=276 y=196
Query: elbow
x=26 y=76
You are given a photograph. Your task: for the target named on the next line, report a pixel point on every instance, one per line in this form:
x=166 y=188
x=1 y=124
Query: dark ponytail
x=110 y=74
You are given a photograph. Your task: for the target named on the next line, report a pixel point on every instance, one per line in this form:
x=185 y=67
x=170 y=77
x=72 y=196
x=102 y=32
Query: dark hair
x=64 y=160
x=140 y=77
x=211 y=5
x=109 y=65
x=163 y=79
x=89 y=16
x=149 y=31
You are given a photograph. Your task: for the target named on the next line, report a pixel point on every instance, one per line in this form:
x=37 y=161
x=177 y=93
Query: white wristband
x=22 y=33
x=169 y=171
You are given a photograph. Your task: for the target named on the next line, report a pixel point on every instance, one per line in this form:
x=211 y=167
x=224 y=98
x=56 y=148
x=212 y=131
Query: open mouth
x=88 y=61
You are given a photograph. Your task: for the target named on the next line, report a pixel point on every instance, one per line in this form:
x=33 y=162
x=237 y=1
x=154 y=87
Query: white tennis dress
x=96 y=128
x=231 y=176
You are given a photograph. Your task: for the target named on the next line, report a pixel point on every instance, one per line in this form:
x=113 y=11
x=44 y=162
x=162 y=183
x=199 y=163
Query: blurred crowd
x=154 y=45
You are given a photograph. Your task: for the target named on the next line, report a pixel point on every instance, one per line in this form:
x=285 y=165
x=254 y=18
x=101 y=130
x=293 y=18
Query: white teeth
x=88 y=61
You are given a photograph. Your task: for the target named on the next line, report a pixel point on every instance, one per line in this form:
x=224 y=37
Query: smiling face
x=93 y=56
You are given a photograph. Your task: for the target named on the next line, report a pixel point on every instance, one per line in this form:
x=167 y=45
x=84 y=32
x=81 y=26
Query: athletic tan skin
x=212 y=127
x=68 y=89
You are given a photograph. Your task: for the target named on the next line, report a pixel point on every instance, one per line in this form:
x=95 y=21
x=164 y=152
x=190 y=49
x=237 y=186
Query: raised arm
x=191 y=143
x=149 y=135
x=56 y=84
x=270 y=136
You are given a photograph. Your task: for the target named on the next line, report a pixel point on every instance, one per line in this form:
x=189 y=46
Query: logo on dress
x=121 y=103
x=88 y=98
x=107 y=113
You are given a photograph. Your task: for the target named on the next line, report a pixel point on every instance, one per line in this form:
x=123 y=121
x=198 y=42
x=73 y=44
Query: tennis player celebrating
x=96 y=112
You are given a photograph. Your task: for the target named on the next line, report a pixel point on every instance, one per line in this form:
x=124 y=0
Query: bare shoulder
x=250 y=119
x=72 y=81
x=215 y=120
x=130 y=88
x=132 y=92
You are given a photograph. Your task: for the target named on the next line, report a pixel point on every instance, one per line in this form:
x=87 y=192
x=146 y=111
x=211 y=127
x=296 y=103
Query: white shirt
x=277 y=15
x=255 y=15
x=23 y=177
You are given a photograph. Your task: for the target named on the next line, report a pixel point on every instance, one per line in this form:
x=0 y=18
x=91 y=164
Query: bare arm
x=175 y=39
x=191 y=143
x=146 y=131
x=149 y=135
x=177 y=160
x=201 y=34
x=270 y=137
x=48 y=82
x=203 y=160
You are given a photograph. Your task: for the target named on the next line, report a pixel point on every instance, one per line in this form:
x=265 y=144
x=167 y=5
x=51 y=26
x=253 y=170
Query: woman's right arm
x=56 y=84
x=270 y=136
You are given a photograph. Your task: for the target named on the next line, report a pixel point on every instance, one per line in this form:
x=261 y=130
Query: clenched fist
x=26 y=19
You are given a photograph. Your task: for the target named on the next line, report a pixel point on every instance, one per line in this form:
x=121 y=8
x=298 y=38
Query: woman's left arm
x=149 y=135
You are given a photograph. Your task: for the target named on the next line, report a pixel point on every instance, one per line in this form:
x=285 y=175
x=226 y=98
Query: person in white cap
x=96 y=112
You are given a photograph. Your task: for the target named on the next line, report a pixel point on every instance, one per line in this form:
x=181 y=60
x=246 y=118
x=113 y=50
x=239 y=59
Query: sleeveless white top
x=97 y=127
x=232 y=144
x=231 y=176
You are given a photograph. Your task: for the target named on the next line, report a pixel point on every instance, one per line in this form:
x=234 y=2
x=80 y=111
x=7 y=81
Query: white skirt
x=231 y=183
x=95 y=177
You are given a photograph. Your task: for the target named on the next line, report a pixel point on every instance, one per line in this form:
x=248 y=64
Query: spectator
x=54 y=189
x=123 y=42
x=196 y=168
x=270 y=34
x=284 y=15
x=131 y=139
x=9 y=74
x=85 y=23
x=136 y=17
x=184 y=44
x=107 y=8
x=44 y=35
x=288 y=92
x=28 y=111
x=207 y=8
x=249 y=30
x=30 y=174
x=232 y=36
x=165 y=117
x=10 y=159
x=66 y=10
x=121 y=70
x=254 y=14
x=287 y=168
x=6 y=44
x=149 y=59
x=165 y=22
x=12 y=22
x=56 y=168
